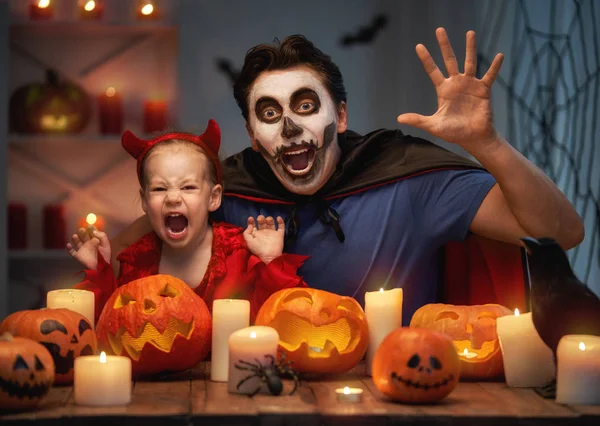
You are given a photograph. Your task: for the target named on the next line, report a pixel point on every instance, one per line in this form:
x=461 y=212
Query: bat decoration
x=225 y=66
x=365 y=34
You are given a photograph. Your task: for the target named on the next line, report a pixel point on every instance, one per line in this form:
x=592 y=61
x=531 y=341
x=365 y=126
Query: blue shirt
x=393 y=234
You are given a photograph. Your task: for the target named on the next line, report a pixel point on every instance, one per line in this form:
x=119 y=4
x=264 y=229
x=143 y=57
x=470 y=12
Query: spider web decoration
x=549 y=92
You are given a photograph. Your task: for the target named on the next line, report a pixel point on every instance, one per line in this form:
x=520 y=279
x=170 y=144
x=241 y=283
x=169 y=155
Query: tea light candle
x=578 y=376
x=81 y=301
x=348 y=394
x=383 y=310
x=102 y=380
x=250 y=344
x=528 y=362
x=228 y=315
x=467 y=354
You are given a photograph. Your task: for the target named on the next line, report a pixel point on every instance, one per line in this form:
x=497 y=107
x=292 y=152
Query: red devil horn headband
x=209 y=141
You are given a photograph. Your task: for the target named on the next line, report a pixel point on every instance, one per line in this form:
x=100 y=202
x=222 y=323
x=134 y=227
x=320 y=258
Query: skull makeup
x=294 y=123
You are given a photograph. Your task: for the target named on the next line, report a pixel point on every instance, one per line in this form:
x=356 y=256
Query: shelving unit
x=38 y=255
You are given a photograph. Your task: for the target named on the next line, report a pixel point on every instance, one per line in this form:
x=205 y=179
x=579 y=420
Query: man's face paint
x=294 y=124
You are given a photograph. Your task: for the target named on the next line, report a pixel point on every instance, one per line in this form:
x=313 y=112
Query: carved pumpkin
x=320 y=332
x=416 y=365
x=473 y=331
x=158 y=322
x=26 y=372
x=65 y=333
x=52 y=107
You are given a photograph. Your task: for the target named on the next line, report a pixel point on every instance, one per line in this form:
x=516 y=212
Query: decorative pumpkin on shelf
x=158 y=322
x=65 y=333
x=473 y=331
x=26 y=372
x=53 y=107
x=416 y=365
x=319 y=331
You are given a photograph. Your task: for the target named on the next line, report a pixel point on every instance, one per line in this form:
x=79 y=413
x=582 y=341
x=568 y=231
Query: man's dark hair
x=293 y=51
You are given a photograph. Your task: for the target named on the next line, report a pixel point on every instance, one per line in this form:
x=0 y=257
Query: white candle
x=578 y=376
x=347 y=394
x=528 y=362
x=228 y=315
x=250 y=344
x=80 y=301
x=383 y=310
x=102 y=380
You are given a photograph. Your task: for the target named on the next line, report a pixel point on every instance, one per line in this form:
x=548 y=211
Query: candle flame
x=103 y=357
x=253 y=335
x=465 y=352
x=517 y=313
x=111 y=91
x=42 y=4
x=147 y=9
x=91 y=218
x=346 y=390
x=381 y=290
x=90 y=5
x=581 y=346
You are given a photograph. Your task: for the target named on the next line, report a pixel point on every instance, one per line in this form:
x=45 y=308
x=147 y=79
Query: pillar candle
x=102 y=380
x=55 y=231
x=110 y=111
x=17 y=226
x=250 y=344
x=578 y=375
x=80 y=301
x=528 y=362
x=228 y=315
x=40 y=9
x=383 y=310
x=91 y=9
x=155 y=116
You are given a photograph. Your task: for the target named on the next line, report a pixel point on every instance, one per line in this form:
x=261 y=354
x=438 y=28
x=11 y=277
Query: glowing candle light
x=578 y=375
x=41 y=9
x=102 y=380
x=110 y=111
x=91 y=9
x=348 y=394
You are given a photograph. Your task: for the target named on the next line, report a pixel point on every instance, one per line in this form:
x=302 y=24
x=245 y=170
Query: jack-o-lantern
x=26 y=372
x=320 y=332
x=65 y=333
x=53 y=107
x=158 y=322
x=416 y=365
x=473 y=331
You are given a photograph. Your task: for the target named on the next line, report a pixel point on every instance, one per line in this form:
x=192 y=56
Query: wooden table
x=191 y=398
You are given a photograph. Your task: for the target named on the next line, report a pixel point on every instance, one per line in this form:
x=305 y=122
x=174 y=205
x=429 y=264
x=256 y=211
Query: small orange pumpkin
x=158 y=322
x=473 y=331
x=26 y=372
x=65 y=333
x=416 y=365
x=321 y=332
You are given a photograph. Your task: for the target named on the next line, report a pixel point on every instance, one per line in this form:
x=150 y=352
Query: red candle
x=17 y=226
x=41 y=9
x=147 y=10
x=155 y=116
x=91 y=9
x=55 y=234
x=110 y=112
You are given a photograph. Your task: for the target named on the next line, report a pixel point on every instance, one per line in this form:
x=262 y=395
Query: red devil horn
x=132 y=144
x=212 y=136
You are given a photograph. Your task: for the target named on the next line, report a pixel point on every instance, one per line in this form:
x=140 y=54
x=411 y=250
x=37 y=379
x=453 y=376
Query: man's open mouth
x=298 y=161
x=176 y=225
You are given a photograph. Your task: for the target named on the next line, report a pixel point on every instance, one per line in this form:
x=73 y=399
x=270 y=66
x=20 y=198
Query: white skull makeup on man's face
x=294 y=122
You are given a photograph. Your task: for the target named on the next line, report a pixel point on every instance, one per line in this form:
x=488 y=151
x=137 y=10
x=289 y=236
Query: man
x=374 y=211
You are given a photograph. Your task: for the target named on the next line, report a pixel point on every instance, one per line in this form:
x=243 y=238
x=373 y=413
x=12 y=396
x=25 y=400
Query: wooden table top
x=191 y=398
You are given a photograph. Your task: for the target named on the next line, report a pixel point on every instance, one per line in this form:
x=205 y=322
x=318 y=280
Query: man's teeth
x=301 y=151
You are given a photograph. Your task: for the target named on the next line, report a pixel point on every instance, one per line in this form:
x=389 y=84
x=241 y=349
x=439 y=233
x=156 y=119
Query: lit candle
x=528 y=362
x=92 y=219
x=578 y=375
x=155 y=116
x=348 y=394
x=91 y=9
x=383 y=310
x=249 y=346
x=41 y=9
x=146 y=9
x=228 y=315
x=102 y=380
x=110 y=112
x=467 y=354
x=81 y=301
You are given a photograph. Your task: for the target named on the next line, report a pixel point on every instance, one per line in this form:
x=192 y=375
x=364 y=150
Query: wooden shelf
x=77 y=138
x=31 y=254
x=86 y=28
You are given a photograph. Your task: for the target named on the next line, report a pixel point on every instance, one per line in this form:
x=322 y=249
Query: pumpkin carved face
x=26 y=372
x=158 y=322
x=320 y=332
x=416 y=365
x=473 y=332
x=65 y=333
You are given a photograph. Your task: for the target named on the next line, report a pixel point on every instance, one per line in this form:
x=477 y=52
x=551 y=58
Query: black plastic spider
x=269 y=374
